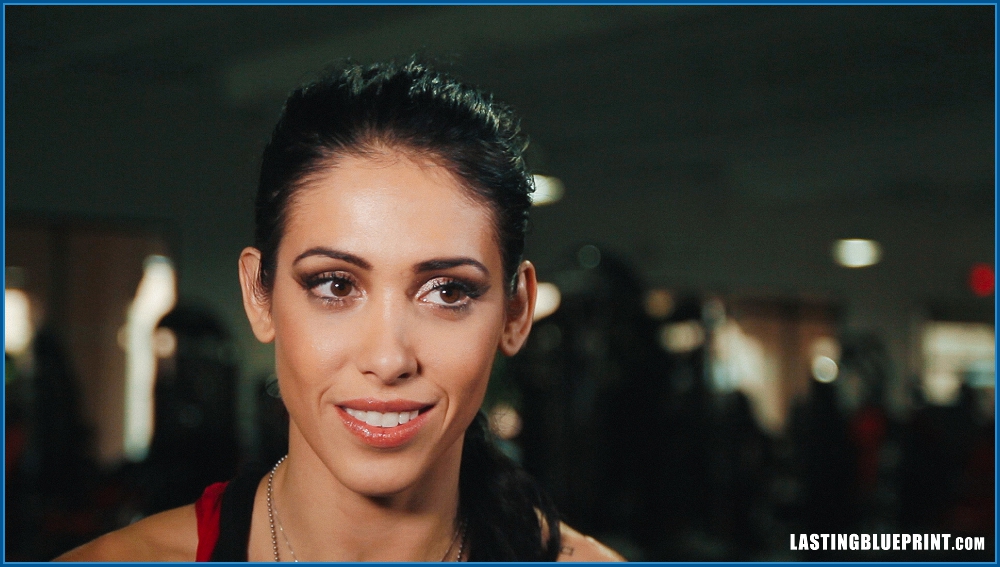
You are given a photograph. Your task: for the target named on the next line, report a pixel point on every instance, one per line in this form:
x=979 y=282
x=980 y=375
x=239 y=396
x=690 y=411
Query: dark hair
x=359 y=110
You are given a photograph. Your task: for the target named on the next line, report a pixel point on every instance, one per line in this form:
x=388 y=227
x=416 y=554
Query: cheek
x=460 y=359
x=306 y=346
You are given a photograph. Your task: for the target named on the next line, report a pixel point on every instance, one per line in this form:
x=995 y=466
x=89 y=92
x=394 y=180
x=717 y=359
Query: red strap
x=207 y=510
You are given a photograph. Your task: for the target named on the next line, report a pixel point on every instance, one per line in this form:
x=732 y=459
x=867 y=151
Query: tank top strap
x=227 y=514
x=206 y=509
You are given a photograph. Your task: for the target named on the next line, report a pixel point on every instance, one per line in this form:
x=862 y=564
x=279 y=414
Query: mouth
x=384 y=424
x=379 y=419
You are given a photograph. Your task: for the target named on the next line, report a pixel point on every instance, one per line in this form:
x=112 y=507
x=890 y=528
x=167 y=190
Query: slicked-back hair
x=361 y=110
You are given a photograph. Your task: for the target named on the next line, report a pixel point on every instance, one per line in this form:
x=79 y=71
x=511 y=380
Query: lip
x=384 y=406
x=384 y=437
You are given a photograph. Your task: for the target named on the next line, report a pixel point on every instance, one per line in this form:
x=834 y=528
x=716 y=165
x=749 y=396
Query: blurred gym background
x=767 y=236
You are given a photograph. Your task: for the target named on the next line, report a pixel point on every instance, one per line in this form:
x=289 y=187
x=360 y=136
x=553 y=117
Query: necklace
x=460 y=537
x=272 y=517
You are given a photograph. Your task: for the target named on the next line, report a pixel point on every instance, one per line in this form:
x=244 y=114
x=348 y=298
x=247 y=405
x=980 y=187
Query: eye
x=449 y=293
x=332 y=286
x=341 y=288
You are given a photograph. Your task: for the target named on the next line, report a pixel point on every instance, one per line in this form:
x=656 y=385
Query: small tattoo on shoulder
x=567 y=550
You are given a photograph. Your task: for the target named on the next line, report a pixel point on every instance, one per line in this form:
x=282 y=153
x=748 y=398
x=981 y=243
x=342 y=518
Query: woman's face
x=387 y=309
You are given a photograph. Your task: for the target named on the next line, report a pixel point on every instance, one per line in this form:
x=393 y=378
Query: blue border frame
x=517 y=3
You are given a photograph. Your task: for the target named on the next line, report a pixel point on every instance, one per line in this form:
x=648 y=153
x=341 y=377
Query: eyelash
x=313 y=282
x=469 y=290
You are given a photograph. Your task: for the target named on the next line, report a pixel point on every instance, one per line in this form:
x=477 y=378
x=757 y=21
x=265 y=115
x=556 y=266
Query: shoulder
x=167 y=536
x=578 y=547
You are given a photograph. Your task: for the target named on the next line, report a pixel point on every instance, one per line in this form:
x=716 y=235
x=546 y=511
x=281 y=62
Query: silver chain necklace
x=272 y=517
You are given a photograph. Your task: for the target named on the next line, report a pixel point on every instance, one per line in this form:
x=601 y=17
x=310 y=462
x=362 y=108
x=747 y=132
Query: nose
x=386 y=351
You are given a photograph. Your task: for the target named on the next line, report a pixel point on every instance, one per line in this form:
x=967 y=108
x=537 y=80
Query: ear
x=520 y=310
x=257 y=306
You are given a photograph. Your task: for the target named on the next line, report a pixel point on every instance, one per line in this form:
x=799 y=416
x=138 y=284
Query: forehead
x=392 y=205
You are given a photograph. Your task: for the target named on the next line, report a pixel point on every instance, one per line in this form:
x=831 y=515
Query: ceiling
x=628 y=83
x=643 y=91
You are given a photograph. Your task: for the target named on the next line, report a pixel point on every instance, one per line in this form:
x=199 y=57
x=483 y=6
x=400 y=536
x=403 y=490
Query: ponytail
x=504 y=509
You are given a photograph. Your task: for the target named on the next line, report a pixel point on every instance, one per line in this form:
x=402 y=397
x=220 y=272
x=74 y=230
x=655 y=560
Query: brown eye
x=332 y=286
x=340 y=288
x=451 y=294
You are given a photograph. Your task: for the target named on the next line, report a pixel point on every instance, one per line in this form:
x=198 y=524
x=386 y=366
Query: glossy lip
x=384 y=437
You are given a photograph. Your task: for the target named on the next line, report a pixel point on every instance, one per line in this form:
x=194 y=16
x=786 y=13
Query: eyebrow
x=427 y=266
x=445 y=263
x=335 y=254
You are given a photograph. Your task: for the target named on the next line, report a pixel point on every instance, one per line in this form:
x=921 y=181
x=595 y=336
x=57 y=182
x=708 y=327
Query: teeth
x=378 y=419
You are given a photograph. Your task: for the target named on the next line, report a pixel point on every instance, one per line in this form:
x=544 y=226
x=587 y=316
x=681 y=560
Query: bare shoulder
x=578 y=547
x=167 y=536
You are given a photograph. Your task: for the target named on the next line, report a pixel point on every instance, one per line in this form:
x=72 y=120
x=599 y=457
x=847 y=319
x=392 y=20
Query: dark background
x=713 y=153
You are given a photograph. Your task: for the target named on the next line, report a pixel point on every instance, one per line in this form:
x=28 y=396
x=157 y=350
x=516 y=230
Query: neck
x=328 y=521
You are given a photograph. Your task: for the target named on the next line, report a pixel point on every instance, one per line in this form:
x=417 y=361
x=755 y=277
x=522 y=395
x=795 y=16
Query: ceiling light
x=857 y=252
x=547 y=190
x=546 y=300
x=824 y=369
x=17 y=322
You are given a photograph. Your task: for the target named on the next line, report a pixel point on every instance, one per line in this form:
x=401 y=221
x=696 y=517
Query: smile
x=384 y=424
x=379 y=419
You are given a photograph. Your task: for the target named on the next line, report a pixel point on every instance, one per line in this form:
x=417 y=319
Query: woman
x=387 y=271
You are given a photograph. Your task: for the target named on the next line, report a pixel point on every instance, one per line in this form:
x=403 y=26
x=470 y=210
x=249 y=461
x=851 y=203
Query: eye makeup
x=450 y=292
x=331 y=286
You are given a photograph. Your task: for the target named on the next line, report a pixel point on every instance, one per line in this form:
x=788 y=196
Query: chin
x=391 y=473
x=376 y=479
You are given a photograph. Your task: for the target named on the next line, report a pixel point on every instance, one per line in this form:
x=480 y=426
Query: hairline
x=377 y=148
